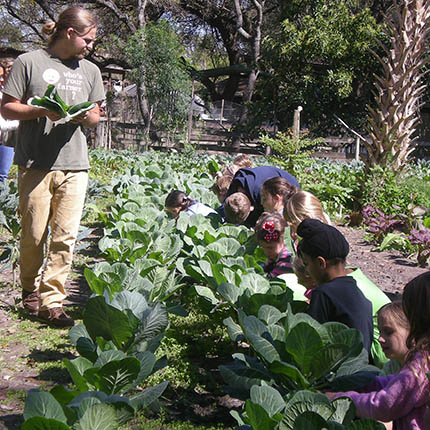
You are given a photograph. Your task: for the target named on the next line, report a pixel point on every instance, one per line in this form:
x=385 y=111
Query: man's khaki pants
x=54 y=198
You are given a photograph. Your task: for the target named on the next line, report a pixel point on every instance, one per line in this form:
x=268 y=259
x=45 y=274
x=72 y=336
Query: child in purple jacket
x=402 y=397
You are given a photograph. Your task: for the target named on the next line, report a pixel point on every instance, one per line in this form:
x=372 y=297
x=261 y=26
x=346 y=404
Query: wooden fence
x=213 y=136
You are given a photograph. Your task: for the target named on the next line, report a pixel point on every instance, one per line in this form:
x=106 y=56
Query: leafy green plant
x=291 y=151
x=62 y=409
x=304 y=410
x=117 y=341
x=155 y=281
x=397 y=241
x=113 y=372
x=51 y=100
x=295 y=352
x=336 y=184
x=9 y=219
x=384 y=188
x=125 y=323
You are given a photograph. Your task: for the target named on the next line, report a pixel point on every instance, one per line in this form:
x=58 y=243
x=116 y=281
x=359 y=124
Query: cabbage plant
x=295 y=352
x=304 y=410
x=63 y=409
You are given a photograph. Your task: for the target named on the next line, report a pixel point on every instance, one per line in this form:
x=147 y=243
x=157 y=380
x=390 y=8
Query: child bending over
x=302 y=205
x=402 y=397
x=269 y=231
x=275 y=192
x=177 y=201
x=249 y=182
x=226 y=175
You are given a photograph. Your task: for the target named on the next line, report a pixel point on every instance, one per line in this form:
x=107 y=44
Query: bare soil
x=389 y=270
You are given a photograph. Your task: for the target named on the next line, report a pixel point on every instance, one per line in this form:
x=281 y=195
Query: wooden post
x=190 y=115
x=101 y=134
x=296 y=123
x=222 y=111
x=109 y=115
x=357 y=148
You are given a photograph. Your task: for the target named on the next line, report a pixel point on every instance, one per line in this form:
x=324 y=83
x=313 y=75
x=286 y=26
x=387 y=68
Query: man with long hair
x=52 y=157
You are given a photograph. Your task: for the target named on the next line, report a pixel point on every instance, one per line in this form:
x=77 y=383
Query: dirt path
x=26 y=361
x=389 y=270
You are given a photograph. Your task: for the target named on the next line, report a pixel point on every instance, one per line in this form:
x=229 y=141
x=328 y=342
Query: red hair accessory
x=269 y=227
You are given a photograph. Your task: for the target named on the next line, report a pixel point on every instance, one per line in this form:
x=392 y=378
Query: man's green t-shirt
x=41 y=143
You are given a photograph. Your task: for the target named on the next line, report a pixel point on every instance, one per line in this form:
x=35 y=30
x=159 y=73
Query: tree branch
x=239 y=25
x=117 y=12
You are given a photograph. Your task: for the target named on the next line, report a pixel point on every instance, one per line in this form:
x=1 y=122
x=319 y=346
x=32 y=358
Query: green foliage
x=395 y=241
x=336 y=184
x=107 y=164
x=9 y=219
x=304 y=410
x=154 y=57
x=385 y=189
x=166 y=423
x=295 y=352
x=155 y=265
x=93 y=410
x=187 y=369
x=126 y=323
x=116 y=341
x=52 y=101
x=318 y=56
x=290 y=152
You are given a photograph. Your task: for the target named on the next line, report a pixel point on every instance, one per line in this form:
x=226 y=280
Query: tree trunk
x=255 y=42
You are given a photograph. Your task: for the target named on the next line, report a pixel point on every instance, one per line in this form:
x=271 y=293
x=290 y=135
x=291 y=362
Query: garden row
x=151 y=267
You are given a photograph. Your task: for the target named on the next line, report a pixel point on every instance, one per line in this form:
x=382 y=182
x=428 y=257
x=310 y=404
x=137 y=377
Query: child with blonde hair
x=299 y=282
x=303 y=277
x=302 y=205
x=269 y=231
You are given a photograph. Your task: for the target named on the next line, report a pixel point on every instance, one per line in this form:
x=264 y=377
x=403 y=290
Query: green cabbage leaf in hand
x=52 y=101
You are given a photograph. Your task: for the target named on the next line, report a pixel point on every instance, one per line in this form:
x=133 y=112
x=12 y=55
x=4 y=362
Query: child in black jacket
x=336 y=297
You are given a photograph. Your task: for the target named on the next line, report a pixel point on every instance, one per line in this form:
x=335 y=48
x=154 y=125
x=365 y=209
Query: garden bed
x=176 y=257
x=26 y=362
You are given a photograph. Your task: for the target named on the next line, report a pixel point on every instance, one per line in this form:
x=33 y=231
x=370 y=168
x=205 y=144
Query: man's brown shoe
x=56 y=317
x=30 y=301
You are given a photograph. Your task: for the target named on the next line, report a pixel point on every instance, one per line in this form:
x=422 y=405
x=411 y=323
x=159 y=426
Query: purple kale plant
x=421 y=238
x=380 y=224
